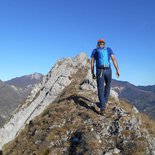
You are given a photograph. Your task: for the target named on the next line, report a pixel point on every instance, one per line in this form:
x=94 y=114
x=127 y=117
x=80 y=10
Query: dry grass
x=148 y=123
x=93 y=144
x=126 y=106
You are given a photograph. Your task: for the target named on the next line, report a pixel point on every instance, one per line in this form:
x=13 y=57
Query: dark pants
x=103 y=76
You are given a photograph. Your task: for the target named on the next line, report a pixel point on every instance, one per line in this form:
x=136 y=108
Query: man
x=102 y=57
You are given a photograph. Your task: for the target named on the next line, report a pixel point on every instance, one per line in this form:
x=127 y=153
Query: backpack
x=102 y=58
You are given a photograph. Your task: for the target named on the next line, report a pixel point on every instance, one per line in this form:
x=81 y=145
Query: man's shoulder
x=95 y=49
x=109 y=50
x=93 y=53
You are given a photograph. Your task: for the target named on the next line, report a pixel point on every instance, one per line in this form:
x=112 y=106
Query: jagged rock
x=89 y=83
x=151 y=147
x=135 y=110
x=113 y=151
x=114 y=94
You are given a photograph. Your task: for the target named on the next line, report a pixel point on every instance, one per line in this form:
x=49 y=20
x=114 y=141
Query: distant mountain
x=25 y=84
x=9 y=100
x=26 y=80
x=143 y=97
x=148 y=88
x=14 y=92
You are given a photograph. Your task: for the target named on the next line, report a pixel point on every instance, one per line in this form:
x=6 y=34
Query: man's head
x=101 y=43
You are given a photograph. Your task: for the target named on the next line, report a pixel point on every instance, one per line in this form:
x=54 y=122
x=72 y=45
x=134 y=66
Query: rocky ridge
x=61 y=116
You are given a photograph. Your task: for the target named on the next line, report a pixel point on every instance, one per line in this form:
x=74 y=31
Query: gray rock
x=113 y=151
x=151 y=147
x=135 y=110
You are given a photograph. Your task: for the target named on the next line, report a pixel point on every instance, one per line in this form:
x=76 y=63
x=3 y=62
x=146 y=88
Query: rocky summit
x=61 y=116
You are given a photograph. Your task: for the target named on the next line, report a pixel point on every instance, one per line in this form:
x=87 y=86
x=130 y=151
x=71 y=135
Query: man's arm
x=92 y=67
x=115 y=64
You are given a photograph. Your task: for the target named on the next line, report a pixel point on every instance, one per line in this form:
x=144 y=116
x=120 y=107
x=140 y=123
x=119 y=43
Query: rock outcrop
x=61 y=116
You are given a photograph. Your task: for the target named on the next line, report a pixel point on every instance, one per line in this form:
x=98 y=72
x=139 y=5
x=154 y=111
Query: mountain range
x=148 y=88
x=143 y=97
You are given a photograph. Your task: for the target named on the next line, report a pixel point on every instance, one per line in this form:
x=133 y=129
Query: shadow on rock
x=82 y=101
x=77 y=142
x=98 y=104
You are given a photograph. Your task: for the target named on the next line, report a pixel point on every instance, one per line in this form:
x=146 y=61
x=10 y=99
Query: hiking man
x=102 y=57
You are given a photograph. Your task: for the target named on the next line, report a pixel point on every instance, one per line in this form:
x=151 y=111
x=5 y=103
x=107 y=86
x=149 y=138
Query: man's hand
x=93 y=76
x=92 y=68
x=117 y=73
x=116 y=65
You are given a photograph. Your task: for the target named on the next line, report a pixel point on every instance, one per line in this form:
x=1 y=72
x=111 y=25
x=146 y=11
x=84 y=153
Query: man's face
x=101 y=45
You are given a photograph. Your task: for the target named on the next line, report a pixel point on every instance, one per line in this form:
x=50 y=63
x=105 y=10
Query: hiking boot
x=102 y=112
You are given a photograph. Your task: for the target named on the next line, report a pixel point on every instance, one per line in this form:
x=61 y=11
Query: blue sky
x=34 y=34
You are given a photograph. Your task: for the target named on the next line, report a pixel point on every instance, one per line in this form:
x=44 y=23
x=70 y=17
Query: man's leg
x=100 y=87
x=107 y=76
